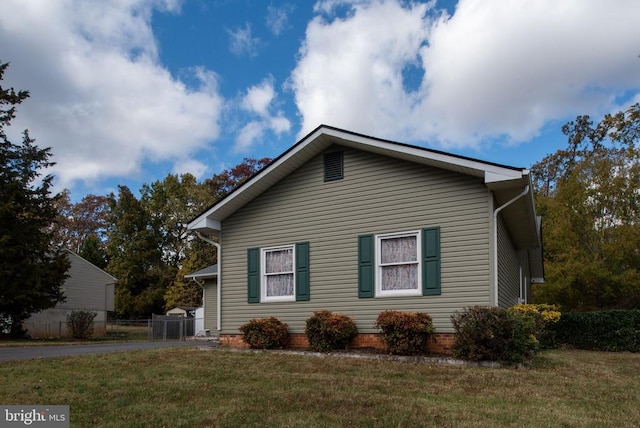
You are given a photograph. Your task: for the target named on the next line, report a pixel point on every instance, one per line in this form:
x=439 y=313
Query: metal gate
x=171 y=327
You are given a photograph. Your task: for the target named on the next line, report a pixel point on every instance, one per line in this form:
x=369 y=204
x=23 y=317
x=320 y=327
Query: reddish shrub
x=326 y=331
x=265 y=333
x=405 y=333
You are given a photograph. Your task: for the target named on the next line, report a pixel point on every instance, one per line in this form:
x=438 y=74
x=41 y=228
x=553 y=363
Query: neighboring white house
x=88 y=288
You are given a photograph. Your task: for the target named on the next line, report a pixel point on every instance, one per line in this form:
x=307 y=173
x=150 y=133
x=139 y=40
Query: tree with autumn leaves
x=589 y=197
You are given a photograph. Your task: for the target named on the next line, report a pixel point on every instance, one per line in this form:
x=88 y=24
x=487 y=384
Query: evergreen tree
x=92 y=250
x=32 y=272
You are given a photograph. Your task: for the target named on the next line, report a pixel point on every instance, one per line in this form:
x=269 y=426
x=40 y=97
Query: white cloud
x=259 y=97
x=350 y=75
x=259 y=100
x=191 y=166
x=278 y=17
x=493 y=69
x=99 y=96
x=247 y=136
x=279 y=124
x=241 y=42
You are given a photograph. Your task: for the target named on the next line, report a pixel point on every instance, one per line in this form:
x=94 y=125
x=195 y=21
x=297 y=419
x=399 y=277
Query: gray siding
x=508 y=268
x=377 y=195
x=211 y=305
x=88 y=287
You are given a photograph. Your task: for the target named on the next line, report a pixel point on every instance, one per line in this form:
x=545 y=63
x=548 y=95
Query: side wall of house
x=508 y=268
x=87 y=288
x=211 y=306
x=377 y=195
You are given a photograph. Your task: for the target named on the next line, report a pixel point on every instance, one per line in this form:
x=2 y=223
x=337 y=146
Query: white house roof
x=504 y=181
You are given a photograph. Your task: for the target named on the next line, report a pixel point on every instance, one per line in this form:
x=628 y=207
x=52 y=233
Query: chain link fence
x=159 y=327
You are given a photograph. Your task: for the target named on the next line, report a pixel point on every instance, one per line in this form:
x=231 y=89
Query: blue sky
x=128 y=91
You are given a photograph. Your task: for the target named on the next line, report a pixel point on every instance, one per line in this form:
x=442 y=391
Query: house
x=357 y=225
x=202 y=277
x=88 y=288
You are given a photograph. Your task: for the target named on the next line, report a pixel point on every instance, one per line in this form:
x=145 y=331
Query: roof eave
x=494 y=175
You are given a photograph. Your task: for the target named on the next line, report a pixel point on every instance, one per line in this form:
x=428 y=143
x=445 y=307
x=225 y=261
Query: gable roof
x=505 y=181
x=206 y=273
x=104 y=276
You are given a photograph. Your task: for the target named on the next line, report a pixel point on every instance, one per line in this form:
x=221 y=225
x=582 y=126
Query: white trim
x=378 y=257
x=496 y=282
x=322 y=138
x=263 y=274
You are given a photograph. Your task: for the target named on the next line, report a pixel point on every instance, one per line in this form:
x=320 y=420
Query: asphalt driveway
x=33 y=352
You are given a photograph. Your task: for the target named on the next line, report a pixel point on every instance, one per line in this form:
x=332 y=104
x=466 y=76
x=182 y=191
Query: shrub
x=81 y=324
x=326 y=331
x=265 y=333
x=494 y=334
x=405 y=333
x=613 y=330
x=543 y=316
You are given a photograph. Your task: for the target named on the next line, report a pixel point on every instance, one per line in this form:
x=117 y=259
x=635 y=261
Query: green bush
x=494 y=334
x=265 y=333
x=543 y=316
x=80 y=323
x=405 y=333
x=613 y=330
x=327 y=331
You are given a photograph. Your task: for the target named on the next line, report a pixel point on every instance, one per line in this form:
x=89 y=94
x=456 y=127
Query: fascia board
x=323 y=137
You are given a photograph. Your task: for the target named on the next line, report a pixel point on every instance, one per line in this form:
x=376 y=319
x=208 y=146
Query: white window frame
x=263 y=274
x=398 y=293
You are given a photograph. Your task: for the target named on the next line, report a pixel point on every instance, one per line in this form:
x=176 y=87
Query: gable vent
x=333 y=166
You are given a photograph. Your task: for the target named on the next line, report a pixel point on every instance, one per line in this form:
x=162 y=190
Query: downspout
x=219 y=264
x=495 y=241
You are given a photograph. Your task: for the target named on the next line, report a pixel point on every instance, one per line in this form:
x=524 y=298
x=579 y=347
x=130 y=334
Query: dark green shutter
x=302 y=271
x=253 y=275
x=366 y=266
x=431 y=261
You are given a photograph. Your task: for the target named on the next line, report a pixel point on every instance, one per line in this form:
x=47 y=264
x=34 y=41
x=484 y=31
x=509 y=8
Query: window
x=278 y=276
x=398 y=264
x=278 y=273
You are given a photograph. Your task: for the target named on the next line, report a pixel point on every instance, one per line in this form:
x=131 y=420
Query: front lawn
x=195 y=388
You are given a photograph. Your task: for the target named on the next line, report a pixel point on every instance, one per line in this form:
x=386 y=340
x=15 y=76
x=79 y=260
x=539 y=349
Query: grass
x=138 y=331
x=195 y=388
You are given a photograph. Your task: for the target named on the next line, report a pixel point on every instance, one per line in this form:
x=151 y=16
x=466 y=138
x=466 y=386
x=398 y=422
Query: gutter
x=495 y=241
x=219 y=294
